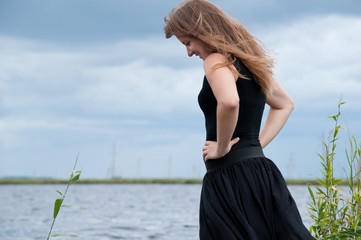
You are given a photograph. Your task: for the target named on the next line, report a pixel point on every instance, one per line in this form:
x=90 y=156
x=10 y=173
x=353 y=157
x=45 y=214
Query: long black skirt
x=244 y=196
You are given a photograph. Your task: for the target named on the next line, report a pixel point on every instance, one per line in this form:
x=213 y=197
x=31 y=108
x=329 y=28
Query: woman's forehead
x=183 y=38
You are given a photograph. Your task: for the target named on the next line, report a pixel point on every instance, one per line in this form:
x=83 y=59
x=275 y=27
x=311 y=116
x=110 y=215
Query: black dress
x=244 y=195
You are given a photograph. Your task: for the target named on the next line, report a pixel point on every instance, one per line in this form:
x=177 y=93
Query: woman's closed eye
x=186 y=43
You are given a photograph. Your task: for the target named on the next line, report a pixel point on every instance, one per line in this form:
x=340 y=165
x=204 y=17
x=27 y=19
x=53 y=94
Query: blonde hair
x=203 y=20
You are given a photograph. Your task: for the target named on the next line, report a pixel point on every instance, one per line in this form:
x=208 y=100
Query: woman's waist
x=237 y=154
x=250 y=140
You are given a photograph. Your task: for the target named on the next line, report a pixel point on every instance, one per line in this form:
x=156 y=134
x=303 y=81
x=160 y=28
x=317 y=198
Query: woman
x=244 y=195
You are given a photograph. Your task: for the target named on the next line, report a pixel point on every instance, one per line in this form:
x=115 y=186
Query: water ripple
x=131 y=212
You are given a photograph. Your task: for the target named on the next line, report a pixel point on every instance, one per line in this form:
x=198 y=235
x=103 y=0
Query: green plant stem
x=62 y=200
x=66 y=190
x=337 y=217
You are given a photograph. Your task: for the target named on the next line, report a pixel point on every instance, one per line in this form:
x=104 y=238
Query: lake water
x=131 y=212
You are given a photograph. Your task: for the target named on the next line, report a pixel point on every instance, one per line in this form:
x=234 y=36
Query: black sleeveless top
x=251 y=106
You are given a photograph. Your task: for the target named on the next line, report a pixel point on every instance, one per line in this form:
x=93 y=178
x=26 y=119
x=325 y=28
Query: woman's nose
x=189 y=51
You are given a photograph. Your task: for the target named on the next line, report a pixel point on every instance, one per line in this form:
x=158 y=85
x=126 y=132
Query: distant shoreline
x=8 y=181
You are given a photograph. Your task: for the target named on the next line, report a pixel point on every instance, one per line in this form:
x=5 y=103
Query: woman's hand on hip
x=211 y=149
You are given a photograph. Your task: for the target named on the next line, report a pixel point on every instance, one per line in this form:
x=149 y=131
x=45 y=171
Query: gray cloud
x=141 y=93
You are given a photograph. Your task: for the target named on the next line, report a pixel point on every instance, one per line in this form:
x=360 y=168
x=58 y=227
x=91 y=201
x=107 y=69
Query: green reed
x=336 y=212
x=74 y=177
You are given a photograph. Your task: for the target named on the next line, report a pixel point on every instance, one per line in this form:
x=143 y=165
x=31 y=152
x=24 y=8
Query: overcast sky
x=88 y=77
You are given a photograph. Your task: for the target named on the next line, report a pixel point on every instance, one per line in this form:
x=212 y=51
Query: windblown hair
x=202 y=20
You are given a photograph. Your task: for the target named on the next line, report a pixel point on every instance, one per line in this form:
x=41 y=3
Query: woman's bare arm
x=223 y=85
x=281 y=106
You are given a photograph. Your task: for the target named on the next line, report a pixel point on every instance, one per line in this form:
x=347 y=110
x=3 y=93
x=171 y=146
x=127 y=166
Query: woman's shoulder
x=213 y=59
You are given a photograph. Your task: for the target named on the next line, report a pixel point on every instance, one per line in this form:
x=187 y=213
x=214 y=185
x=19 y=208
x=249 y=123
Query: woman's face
x=195 y=46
